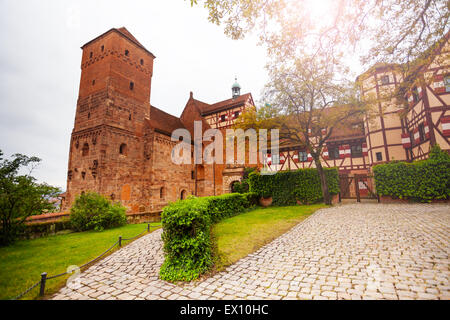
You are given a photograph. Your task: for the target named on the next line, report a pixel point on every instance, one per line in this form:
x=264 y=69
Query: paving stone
x=354 y=251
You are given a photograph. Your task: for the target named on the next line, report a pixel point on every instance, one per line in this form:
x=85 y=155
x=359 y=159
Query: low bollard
x=148 y=227
x=120 y=241
x=43 y=281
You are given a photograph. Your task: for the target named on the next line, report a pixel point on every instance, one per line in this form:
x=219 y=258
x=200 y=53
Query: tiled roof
x=163 y=122
x=125 y=33
x=224 y=105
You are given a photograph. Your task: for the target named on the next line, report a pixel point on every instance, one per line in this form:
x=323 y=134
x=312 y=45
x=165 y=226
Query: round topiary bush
x=94 y=211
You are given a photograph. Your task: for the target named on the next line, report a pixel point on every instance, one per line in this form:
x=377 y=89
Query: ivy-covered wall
x=422 y=181
x=286 y=187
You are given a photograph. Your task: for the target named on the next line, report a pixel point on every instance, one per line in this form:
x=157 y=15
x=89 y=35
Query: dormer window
x=415 y=94
x=127 y=53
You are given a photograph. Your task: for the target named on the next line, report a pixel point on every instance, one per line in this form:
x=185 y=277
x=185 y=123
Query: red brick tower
x=107 y=149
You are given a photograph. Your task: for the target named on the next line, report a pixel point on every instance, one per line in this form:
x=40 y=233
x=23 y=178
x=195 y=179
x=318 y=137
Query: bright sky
x=40 y=66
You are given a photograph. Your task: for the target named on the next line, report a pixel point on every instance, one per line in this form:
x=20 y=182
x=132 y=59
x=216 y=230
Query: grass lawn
x=241 y=235
x=22 y=263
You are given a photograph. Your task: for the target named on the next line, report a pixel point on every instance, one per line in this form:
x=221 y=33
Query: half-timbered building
x=121 y=144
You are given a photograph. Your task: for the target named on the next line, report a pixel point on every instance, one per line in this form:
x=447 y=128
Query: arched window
x=183 y=194
x=123 y=149
x=85 y=150
x=162 y=193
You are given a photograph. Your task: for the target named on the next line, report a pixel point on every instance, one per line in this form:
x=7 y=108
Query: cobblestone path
x=355 y=251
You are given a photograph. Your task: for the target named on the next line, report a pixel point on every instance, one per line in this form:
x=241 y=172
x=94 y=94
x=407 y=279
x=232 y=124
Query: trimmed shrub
x=421 y=181
x=288 y=187
x=240 y=187
x=94 y=211
x=226 y=205
x=186 y=236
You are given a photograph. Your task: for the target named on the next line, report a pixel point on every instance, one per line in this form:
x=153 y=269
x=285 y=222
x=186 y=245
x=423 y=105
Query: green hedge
x=186 y=236
x=286 y=187
x=421 y=181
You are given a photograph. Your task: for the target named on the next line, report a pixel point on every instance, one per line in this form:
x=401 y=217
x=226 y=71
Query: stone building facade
x=121 y=145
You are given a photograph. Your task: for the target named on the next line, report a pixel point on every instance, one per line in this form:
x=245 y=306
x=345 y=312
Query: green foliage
x=93 y=211
x=240 y=186
x=186 y=236
x=287 y=187
x=21 y=196
x=422 y=181
x=226 y=205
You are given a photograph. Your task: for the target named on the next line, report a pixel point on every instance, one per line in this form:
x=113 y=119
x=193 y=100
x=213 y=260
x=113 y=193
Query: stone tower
x=107 y=149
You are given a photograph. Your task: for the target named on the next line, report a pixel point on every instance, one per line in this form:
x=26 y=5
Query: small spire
x=191 y=95
x=236 y=89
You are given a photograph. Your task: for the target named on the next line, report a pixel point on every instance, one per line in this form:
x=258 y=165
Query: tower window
x=91 y=54
x=127 y=53
x=85 y=150
x=162 y=193
x=415 y=94
x=142 y=62
x=123 y=149
x=384 y=79
x=131 y=85
x=129 y=117
x=89 y=115
x=333 y=153
x=356 y=150
x=303 y=156
x=421 y=132
x=93 y=82
x=379 y=156
x=103 y=48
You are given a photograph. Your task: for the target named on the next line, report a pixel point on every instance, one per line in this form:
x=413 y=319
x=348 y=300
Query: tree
x=20 y=195
x=398 y=31
x=308 y=103
x=311 y=85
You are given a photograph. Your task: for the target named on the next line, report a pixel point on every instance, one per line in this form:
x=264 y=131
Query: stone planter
x=265 y=202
